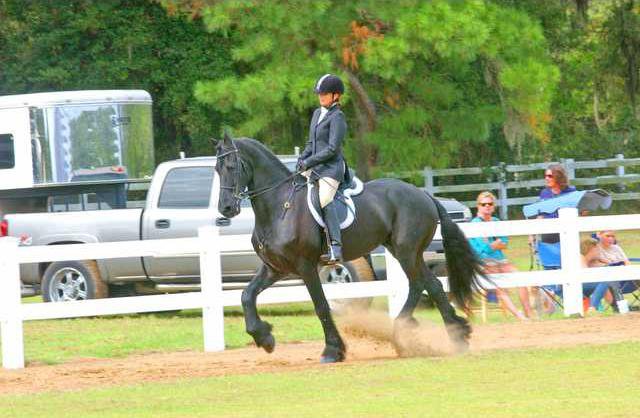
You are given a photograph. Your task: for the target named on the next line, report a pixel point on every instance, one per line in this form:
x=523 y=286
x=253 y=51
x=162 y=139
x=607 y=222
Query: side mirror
x=222 y=221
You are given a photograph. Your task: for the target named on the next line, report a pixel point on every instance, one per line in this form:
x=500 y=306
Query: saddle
x=344 y=204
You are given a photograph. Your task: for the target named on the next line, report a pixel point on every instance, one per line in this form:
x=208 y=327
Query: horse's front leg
x=335 y=349
x=260 y=330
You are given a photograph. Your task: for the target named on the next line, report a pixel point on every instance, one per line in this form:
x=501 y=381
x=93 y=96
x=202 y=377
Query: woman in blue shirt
x=557 y=183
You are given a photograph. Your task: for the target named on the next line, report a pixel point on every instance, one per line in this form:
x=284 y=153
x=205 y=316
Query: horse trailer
x=73 y=142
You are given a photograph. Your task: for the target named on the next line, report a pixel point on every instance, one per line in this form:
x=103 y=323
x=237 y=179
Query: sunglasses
x=548 y=176
x=609 y=236
x=486 y=204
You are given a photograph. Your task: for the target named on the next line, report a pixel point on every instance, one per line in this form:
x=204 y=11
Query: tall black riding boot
x=330 y=217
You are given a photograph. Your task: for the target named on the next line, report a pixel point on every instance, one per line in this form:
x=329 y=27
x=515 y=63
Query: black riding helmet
x=329 y=83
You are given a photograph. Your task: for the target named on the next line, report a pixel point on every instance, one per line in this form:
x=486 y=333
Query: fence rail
x=503 y=178
x=212 y=299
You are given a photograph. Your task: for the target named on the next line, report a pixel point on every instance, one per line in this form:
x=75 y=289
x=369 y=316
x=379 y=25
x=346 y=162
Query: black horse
x=286 y=237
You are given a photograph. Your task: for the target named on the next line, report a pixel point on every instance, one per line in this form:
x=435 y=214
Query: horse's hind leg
x=458 y=328
x=260 y=330
x=409 y=265
x=334 y=350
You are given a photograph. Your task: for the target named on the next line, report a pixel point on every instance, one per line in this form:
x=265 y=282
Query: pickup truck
x=182 y=196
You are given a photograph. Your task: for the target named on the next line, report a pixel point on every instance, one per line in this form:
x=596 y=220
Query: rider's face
x=327 y=99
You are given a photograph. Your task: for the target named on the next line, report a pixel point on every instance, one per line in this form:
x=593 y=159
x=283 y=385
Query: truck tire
x=357 y=270
x=73 y=280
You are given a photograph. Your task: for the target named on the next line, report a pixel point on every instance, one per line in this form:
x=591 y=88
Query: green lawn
x=580 y=382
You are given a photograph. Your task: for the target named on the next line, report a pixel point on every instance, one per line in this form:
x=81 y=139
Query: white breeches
x=327 y=188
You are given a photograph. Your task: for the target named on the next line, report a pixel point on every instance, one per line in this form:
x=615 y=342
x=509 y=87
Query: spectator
x=610 y=254
x=610 y=251
x=489 y=250
x=557 y=183
x=590 y=257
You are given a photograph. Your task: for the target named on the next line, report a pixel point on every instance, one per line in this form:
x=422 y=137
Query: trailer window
x=7 y=157
x=188 y=187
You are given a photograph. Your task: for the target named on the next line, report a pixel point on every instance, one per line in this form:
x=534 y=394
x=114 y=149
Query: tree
x=425 y=78
x=81 y=44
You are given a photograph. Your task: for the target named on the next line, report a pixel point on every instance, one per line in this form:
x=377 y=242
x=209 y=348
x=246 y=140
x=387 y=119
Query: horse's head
x=232 y=182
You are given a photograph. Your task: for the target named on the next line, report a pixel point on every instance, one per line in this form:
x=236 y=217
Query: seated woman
x=610 y=254
x=489 y=250
x=590 y=257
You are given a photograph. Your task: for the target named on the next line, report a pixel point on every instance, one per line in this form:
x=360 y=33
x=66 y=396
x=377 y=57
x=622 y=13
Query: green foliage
x=452 y=83
x=62 y=45
x=466 y=67
x=438 y=73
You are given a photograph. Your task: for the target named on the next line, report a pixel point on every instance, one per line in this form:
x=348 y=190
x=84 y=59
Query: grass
x=57 y=341
x=581 y=382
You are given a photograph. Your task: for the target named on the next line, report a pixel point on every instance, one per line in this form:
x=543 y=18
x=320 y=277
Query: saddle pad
x=344 y=204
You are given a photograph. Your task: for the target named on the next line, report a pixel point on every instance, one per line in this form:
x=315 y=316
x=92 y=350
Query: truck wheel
x=357 y=270
x=73 y=280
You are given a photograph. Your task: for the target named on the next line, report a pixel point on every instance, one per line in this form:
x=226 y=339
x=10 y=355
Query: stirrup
x=333 y=256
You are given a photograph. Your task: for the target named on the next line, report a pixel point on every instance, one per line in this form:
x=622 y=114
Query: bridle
x=247 y=194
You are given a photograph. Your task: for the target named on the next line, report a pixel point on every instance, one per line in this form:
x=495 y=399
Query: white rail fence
x=212 y=299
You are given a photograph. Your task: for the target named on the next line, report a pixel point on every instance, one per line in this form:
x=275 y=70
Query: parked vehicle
x=73 y=141
x=182 y=196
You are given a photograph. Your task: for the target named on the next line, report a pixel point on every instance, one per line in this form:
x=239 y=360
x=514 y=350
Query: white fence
x=212 y=298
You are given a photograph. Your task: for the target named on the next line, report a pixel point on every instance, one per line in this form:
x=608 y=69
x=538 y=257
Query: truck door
x=182 y=207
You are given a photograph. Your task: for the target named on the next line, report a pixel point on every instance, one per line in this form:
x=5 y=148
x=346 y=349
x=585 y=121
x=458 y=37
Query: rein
x=250 y=194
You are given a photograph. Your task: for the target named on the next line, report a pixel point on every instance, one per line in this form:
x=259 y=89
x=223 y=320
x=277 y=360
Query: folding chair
x=548 y=256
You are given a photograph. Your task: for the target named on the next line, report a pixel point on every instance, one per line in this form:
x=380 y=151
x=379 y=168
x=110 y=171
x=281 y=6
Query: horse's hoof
x=268 y=343
x=331 y=359
x=410 y=323
x=332 y=355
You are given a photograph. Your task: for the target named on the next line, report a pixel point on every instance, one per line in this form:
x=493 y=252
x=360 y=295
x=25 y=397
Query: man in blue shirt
x=489 y=250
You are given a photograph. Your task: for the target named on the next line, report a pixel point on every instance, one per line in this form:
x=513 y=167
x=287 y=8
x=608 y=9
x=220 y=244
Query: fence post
x=398 y=284
x=620 y=172
x=211 y=285
x=502 y=192
x=428 y=179
x=571 y=265
x=570 y=166
x=11 y=332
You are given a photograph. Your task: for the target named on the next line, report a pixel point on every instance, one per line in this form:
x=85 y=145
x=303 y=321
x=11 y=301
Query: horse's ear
x=214 y=142
x=227 y=139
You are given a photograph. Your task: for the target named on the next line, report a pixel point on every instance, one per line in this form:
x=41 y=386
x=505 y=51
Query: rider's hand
x=301 y=166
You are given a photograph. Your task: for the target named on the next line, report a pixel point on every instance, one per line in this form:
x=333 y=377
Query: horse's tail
x=463 y=265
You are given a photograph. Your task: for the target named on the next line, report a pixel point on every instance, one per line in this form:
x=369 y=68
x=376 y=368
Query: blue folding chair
x=549 y=256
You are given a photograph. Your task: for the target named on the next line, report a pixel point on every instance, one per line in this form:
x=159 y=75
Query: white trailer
x=72 y=142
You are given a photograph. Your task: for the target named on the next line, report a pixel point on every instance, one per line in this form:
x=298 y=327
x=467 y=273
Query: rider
x=322 y=158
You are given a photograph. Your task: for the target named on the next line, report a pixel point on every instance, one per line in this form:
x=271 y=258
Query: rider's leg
x=327 y=188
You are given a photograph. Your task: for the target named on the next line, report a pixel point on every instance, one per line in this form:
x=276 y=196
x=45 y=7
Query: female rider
x=322 y=160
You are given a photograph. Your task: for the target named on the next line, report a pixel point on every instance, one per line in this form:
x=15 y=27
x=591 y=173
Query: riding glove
x=301 y=166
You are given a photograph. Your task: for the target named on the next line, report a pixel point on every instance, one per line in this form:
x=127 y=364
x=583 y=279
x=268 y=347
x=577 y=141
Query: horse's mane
x=258 y=151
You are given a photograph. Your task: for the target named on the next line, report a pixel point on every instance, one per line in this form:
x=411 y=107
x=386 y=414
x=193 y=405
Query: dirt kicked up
x=366 y=338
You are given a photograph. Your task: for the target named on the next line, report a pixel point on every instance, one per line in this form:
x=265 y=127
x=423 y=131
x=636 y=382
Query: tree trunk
x=366 y=116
